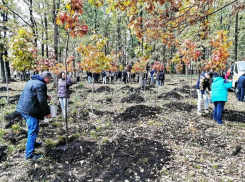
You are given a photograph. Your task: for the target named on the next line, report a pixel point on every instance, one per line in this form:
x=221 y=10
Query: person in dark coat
x=89 y=76
x=144 y=78
x=241 y=87
x=103 y=77
x=161 y=78
x=33 y=106
x=119 y=76
x=96 y=77
x=63 y=92
x=125 y=74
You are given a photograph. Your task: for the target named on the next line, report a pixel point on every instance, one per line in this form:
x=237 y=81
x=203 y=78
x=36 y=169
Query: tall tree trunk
x=236 y=36
x=33 y=23
x=56 y=6
x=5 y=70
x=2 y=69
x=46 y=33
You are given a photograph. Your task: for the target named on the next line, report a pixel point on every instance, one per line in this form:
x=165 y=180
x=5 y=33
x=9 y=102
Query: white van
x=237 y=70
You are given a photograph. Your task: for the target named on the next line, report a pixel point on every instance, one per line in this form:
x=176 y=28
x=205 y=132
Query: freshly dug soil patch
x=128 y=88
x=135 y=113
x=179 y=106
x=142 y=88
x=234 y=116
x=15 y=137
x=4 y=89
x=100 y=113
x=170 y=95
x=103 y=89
x=3 y=152
x=13 y=118
x=106 y=100
x=126 y=158
x=133 y=98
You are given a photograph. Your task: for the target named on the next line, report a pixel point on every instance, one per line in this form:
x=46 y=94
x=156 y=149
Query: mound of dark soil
x=170 y=95
x=133 y=98
x=135 y=113
x=126 y=158
x=12 y=118
x=4 y=89
x=128 y=88
x=100 y=113
x=142 y=88
x=103 y=89
x=179 y=106
x=234 y=116
x=15 y=137
x=105 y=100
x=3 y=152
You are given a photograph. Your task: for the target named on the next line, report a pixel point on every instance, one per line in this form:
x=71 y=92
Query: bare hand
x=48 y=116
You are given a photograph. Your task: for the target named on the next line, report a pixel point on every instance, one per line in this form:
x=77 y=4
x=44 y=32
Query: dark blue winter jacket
x=241 y=81
x=152 y=72
x=33 y=99
x=203 y=83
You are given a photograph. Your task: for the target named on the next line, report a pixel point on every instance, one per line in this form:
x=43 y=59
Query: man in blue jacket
x=33 y=106
x=241 y=87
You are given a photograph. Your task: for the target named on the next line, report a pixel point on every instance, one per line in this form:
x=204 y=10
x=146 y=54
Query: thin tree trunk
x=56 y=6
x=46 y=33
x=66 y=55
x=236 y=36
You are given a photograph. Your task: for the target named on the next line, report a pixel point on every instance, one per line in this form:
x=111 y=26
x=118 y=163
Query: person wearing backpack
x=241 y=87
x=63 y=92
x=219 y=96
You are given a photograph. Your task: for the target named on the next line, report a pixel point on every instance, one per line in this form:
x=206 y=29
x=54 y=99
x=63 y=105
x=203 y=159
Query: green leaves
x=22 y=51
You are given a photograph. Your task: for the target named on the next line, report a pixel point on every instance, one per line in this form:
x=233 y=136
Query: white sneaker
x=206 y=111
x=199 y=113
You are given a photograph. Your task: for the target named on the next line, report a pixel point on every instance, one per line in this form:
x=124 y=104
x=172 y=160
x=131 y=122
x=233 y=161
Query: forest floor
x=134 y=134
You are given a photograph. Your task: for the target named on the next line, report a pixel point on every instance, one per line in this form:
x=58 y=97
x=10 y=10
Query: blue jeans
x=218 y=110
x=152 y=79
x=240 y=94
x=63 y=102
x=33 y=129
x=89 y=79
x=104 y=80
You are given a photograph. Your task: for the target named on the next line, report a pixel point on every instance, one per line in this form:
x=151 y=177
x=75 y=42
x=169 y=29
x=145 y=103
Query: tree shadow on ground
x=135 y=113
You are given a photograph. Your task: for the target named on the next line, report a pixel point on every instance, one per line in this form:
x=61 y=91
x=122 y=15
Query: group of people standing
x=218 y=89
x=126 y=76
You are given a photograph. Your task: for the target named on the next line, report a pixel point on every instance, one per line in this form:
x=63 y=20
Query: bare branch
x=16 y=14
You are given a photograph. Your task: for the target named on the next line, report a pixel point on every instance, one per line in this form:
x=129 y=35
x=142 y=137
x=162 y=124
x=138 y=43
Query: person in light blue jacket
x=219 y=96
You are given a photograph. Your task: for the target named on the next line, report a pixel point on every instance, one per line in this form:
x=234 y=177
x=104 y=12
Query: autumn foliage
x=94 y=59
x=23 y=53
x=220 y=52
x=70 y=19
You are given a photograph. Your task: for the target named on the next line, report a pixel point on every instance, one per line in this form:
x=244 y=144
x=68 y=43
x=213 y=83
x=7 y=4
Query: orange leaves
x=140 y=66
x=220 y=52
x=70 y=18
x=158 y=66
x=189 y=52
